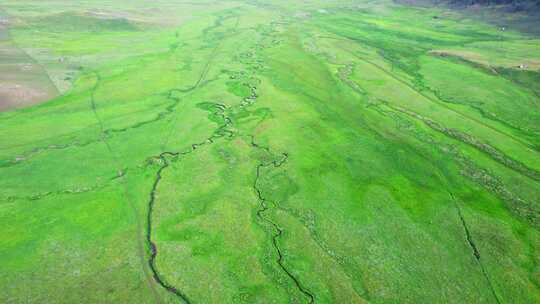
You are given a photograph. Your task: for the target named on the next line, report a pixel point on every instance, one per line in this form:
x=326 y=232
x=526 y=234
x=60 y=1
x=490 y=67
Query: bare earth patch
x=14 y=96
x=527 y=64
x=23 y=82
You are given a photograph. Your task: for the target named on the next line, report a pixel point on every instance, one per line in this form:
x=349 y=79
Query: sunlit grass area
x=268 y=152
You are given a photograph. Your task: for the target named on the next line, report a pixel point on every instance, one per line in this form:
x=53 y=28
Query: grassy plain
x=270 y=152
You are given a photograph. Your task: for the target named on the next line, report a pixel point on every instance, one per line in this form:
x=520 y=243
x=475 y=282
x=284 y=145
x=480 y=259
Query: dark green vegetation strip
x=153 y=249
x=277 y=230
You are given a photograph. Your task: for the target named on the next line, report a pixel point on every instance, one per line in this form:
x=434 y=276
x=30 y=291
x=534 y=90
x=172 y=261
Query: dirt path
x=141 y=253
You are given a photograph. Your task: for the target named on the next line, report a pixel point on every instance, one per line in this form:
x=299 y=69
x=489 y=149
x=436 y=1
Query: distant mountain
x=497 y=2
x=507 y=5
x=520 y=15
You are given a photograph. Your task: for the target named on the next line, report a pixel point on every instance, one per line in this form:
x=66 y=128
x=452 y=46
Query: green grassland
x=270 y=152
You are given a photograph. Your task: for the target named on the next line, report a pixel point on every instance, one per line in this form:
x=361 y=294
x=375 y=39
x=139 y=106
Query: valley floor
x=266 y=152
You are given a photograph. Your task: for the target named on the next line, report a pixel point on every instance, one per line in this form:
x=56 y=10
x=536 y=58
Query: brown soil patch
x=23 y=82
x=528 y=64
x=13 y=95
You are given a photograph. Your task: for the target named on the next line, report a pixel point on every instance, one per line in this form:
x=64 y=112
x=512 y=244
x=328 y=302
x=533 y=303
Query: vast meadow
x=266 y=151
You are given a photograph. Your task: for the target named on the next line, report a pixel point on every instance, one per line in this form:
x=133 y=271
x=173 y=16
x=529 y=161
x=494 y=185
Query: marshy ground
x=266 y=152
